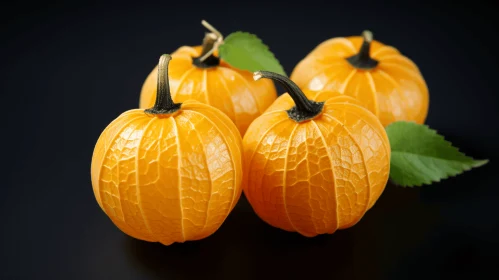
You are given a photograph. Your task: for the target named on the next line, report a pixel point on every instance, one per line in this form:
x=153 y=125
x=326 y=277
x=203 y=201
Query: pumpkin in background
x=171 y=173
x=314 y=167
x=196 y=72
x=384 y=81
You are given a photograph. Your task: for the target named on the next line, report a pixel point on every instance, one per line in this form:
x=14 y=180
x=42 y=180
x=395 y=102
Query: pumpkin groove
x=212 y=81
x=314 y=167
x=386 y=82
x=170 y=173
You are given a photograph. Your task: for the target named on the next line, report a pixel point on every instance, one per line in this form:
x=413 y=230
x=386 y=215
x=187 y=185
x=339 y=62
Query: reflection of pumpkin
x=212 y=82
x=387 y=83
x=314 y=167
x=171 y=173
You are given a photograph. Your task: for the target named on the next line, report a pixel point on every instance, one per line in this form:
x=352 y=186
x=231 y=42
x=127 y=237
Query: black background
x=67 y=70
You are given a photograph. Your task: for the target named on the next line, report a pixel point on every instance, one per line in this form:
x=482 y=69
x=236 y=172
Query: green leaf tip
x=420 y=156
x=246 y=51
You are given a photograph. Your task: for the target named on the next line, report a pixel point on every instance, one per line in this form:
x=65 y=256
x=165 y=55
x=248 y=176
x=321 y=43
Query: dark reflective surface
x=247 y=248
x=69 y=69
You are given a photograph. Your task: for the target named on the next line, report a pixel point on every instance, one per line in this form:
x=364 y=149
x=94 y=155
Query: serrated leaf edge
x=447 y=176
x=266 y=47
x=474 y=163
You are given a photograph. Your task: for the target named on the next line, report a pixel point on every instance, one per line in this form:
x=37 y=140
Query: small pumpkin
x=314 y=167
x=197 y=73
x=384 y=81
x=171 y=173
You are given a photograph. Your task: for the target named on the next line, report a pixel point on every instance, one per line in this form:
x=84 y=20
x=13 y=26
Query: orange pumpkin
x=384 y=81
x=198 y=73
x=171 y=173
x=314 y=167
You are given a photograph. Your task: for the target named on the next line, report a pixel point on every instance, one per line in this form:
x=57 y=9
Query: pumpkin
x=171 y=173
x=314 y=167
x=196 y=72
x=386 y=82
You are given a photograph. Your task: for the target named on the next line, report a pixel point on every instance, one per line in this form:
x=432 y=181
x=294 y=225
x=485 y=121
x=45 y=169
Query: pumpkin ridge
x=249 y=87
x=347 y=81
x=208 y=170
x=332 y=76
x=234 y=131
x=103 y=138
x=265 y=165
x=284 y=177
x=384 y=137
x=344 y=41
x=397 y=86
x=373 y=122
x=384 y=48
x=375 y=94
x=182 y=79
x=339 y=40
x=228 y=94
x=120 y=185
x=222 y=135
x=106 y=153
x=309 y=188
x=204 y=87
x=393 y=70
x=407 y=62
x=179 y=183
x=119 y=197
x=412 y=72
x=207 y=108
x=139 y=200
x=324 y=142
x=252 y=156
x=322 y=69
x=349 y=133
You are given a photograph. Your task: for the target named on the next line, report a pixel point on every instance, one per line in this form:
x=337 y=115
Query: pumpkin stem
x=211 y=42
x=304 y=109
x=362 y=60
x=164 y=103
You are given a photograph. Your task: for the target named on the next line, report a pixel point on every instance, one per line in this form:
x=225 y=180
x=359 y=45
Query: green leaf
x=247 y=52
x=421 y=156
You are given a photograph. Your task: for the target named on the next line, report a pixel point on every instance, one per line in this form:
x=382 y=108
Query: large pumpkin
x=212 y=81
x=314 y=167
x=171 y=173
x=384 y=81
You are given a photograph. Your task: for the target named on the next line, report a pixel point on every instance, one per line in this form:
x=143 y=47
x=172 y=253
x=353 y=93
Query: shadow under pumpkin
x=245 y=247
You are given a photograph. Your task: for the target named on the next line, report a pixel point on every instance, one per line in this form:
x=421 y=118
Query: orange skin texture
x=230 y=90
x=168 y=178
x=394 y=90
x=317 y=176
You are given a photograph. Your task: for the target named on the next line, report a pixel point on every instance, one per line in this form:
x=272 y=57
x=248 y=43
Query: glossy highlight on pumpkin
x=388 y=83
x=168 y=177
x=231 y=90
x=317 y=175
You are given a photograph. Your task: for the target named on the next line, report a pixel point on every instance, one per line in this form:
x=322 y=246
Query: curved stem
x=212 y=29
x=216 y=39
x=304 y=108
x=211 y=42
x=362 y=60
x=209 y=46
x=164 y=103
